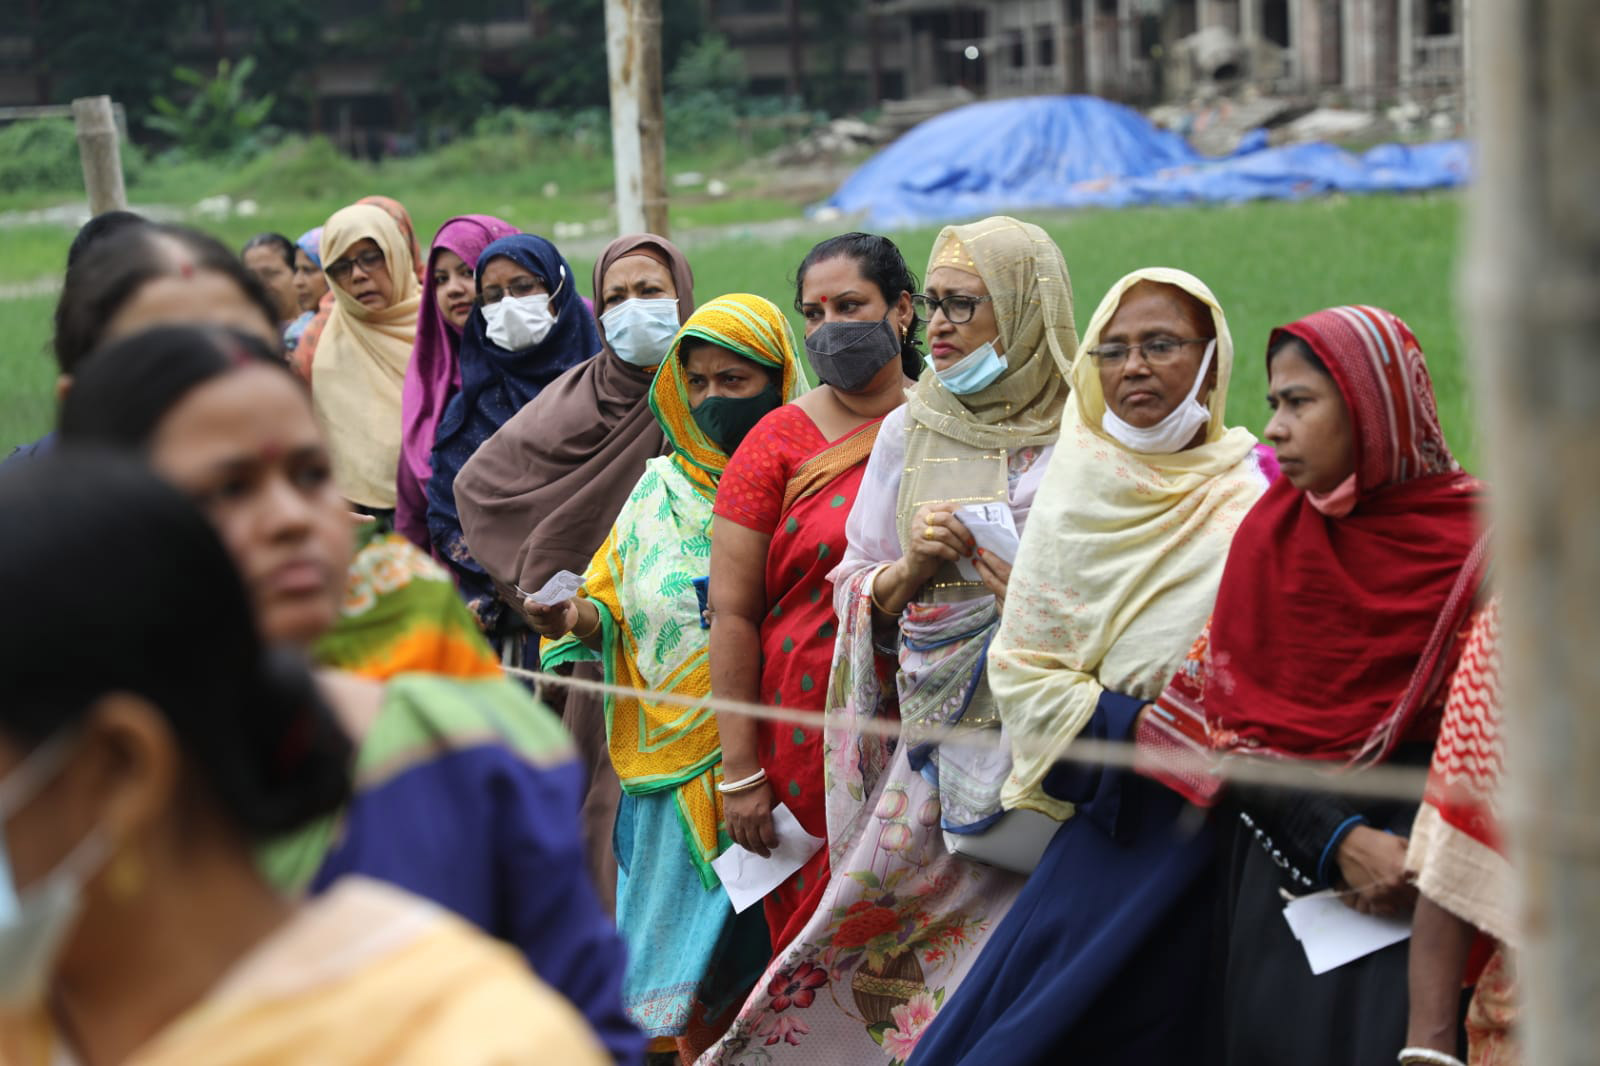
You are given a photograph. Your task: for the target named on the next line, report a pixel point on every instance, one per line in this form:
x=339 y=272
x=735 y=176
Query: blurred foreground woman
x=137 y=774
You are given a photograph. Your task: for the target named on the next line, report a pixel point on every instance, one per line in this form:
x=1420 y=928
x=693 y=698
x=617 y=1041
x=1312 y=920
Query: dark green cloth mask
x=727 y=420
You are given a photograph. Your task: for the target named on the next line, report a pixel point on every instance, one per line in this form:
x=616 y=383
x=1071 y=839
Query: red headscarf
x=1331 y=635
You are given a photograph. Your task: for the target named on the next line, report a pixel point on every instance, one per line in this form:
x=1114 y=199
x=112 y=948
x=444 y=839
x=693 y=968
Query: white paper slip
x=992 y=526
x=1332 y=933
x=559 y=589
x=747 y=877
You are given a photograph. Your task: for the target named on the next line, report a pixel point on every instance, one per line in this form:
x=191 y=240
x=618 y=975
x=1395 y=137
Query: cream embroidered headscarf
x=360 y=369
x=1119 y=564
x=957 y=446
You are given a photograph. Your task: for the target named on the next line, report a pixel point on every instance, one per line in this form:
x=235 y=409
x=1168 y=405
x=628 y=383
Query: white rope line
x=1383 y=782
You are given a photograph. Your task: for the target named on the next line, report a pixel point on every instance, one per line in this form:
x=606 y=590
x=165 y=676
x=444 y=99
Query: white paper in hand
x=559 y=589
x=747 y=877
x=992 y=526
x=1333 y=933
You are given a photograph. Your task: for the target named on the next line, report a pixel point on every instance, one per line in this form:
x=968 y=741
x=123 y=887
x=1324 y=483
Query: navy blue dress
x=1103 y=957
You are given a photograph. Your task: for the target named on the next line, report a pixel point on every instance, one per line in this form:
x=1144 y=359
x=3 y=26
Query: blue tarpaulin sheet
x=1081 y=151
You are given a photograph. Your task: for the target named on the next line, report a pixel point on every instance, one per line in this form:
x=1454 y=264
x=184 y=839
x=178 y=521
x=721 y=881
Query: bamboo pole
x=1532 y=292
x=638 y=126
x=96 y=124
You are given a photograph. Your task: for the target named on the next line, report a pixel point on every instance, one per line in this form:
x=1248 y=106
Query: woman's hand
x=996 y=574
x=552 y=622
x=1373 y=866
x=749 y=817
x=937 y=537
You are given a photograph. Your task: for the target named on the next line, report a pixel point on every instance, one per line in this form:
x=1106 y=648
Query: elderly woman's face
x=1142 y=390
x=1310 y=426
x=950 y=342
x=363 y=272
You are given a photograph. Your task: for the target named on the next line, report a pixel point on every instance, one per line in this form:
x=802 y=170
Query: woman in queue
x=310 y=285
x=361 y=356
x=778 y=534
x=304 y=353
x=1337 y=626
x=449 y=293
x=1115 y=576
x=137 y=780
x=270 y=257
x=467 y=790
x=1465 y=932
x=902 y=919
x=690 y=957
x=531 y=328
x=539 y=496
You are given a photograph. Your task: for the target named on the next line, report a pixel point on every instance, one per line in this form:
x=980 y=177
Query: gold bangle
x=592 y=629
x=872 y=594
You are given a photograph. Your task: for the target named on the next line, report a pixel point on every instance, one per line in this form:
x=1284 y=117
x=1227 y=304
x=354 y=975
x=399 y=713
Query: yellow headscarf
x=360 y=368
x=1119 y=563
x=751 y=326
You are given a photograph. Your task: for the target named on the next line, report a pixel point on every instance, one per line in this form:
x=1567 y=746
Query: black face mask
x=727 y=420
x=847 y=355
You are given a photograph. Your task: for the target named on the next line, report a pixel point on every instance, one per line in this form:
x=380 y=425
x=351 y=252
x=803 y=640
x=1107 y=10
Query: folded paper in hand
x=992 y=526
x=1332 y=933
x=559 y=589
x=747 y=877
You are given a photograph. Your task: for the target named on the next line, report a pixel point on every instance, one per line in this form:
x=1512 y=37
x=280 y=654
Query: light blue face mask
x=641 y=331
x=34 y=924
x=974 y=372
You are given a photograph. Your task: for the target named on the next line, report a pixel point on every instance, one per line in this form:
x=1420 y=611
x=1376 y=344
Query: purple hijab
x=434 y=373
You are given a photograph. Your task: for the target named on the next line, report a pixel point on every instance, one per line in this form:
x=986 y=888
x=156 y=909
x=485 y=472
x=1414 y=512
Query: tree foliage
x=220 y=118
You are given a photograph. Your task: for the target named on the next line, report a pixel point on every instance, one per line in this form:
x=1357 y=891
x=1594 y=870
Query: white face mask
x=641 y=331
x=1174 y=432
x=34 y=924
x=519 y=322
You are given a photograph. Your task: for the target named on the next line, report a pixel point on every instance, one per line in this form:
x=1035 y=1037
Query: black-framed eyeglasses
x=958 y=309
x=369 y=260
x=1159 y=352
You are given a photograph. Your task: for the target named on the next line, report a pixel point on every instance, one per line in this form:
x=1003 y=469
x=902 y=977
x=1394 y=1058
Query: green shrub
x=300 y=169
x=41 y=155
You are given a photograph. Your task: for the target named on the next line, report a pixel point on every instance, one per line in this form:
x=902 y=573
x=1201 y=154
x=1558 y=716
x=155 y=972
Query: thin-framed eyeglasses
x=520 y=286
x=1161 y=351
x=369 y=260
x=958 y=308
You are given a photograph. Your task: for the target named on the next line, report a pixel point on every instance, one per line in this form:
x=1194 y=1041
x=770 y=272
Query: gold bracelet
x=872 y=594
x=592 y=629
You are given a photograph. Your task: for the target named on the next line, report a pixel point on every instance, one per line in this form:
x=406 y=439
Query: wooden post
x=638 y=127
x=1532 y=300
x=96 y=124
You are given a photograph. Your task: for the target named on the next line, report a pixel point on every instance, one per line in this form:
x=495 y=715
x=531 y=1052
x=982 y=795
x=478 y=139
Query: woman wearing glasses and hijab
x=903 y=918
x=531 y=327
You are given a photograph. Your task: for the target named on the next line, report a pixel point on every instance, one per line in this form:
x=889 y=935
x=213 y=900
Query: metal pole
x=1532 y=292
x=101 y=153
x=638 y=145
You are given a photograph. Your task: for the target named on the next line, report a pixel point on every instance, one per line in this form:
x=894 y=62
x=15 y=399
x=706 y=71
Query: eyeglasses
x=958 y=309
x=369 y=261
x=1159 y=352
x=518 y=287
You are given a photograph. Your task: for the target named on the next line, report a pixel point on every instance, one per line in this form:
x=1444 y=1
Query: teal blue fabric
x=685 y=944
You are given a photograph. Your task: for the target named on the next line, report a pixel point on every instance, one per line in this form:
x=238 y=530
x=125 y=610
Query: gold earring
x=125 y=877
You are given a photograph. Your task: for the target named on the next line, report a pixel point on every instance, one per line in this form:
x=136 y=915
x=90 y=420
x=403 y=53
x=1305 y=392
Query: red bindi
x=824 y=299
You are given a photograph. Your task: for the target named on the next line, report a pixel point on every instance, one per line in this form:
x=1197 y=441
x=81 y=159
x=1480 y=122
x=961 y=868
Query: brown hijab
x=541 y=494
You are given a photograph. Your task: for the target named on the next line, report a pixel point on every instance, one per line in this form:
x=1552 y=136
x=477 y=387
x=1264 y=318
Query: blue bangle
x=1333 y=843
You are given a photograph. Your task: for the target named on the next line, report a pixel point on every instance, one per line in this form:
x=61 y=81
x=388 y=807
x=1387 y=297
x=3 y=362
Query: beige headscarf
x=1119 y=563
x=957 y=447
x=360 y=369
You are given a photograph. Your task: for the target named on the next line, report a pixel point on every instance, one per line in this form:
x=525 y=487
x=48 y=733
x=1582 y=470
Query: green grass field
x=1267 y=263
